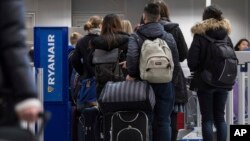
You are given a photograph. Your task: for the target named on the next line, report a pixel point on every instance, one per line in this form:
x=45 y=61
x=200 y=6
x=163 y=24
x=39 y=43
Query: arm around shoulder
x=133 y=56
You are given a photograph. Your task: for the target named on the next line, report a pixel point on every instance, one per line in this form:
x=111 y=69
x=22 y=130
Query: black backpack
x=220 y=67
x=107 y=66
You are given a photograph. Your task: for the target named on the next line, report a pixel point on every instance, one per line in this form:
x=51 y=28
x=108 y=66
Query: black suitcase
x=129 y=126
x=126 y=96
x=89 y=125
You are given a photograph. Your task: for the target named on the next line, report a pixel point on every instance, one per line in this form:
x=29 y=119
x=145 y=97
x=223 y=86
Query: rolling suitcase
x=89 y=125
x=126 y=96
x=129 y=126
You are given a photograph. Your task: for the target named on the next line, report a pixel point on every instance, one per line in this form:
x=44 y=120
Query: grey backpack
x=156 y=62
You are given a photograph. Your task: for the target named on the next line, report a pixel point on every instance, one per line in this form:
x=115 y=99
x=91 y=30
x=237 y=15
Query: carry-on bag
x=86 y=96
x=89 y=126
x=129 y=126
x=127 y=96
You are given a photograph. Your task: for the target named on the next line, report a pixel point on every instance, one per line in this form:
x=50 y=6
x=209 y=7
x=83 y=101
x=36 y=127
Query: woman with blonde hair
x=92 y=26
x=127 y=27
x=74 y=37
x=80 y=58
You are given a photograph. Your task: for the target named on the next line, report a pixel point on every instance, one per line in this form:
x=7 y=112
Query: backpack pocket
x=129 y=133
x=157 y=70
x=229 y=72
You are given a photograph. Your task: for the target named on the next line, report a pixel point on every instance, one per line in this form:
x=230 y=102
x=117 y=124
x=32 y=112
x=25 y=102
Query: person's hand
x=29 y=114
x=128 y=77
x=29 y=109
x=123 y=64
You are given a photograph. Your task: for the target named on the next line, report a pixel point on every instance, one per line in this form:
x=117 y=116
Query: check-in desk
x=243 y=77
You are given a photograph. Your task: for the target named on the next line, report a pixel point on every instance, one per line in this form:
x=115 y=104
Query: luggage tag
x=88 y=83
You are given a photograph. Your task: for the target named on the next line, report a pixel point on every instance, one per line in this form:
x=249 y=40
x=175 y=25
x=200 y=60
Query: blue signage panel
x=51 y=55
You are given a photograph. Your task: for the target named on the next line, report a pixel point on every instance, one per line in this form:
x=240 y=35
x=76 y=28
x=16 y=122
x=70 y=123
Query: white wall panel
x=30 y=5
x=97 y=6
x=50 y=12
x=53 y=13
x=134 y=10
x=46 y=13
x=127 y=9
x=238 y=14
x=186 y=13
x=248 y=35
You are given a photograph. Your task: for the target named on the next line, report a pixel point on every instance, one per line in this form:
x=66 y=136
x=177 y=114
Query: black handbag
x=127 y=96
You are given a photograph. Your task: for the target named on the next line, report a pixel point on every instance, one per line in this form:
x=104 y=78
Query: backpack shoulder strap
x=70 y=54
x=209 y=38
x=138 y=37
x=214 y=40
x=163 y=42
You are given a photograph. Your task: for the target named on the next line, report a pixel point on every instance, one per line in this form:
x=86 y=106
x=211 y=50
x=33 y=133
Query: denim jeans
x=212 y=105
x=163 y=108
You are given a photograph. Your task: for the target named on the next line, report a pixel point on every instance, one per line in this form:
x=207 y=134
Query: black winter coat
x=81 y=58
x=175 y=30
x=150 y=31
x=215 y=29
x=181 y=96
x=121 y=42
x=16 y=77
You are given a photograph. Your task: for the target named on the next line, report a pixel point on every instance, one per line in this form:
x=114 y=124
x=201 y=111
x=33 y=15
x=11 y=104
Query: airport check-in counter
x=50 y=47
x=243 y=77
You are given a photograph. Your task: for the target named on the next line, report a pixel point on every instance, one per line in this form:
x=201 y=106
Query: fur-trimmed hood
x=211 y=24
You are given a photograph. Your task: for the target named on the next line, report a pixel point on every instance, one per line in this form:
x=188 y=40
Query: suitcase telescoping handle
x=45 y=116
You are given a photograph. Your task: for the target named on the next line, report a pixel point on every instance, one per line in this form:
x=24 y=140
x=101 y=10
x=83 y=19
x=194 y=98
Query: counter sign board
x=50 y=53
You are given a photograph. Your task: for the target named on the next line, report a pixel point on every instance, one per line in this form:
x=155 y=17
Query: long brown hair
x=164 y=9
x=111 y=24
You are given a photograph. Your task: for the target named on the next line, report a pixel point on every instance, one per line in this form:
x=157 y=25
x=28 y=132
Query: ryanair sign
x=51 y=62
x=51 y=54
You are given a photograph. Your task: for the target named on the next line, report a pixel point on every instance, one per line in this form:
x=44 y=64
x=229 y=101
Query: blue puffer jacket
x=150 y=31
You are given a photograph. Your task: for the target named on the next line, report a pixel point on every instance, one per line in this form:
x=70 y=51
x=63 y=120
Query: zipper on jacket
x=223 y=70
